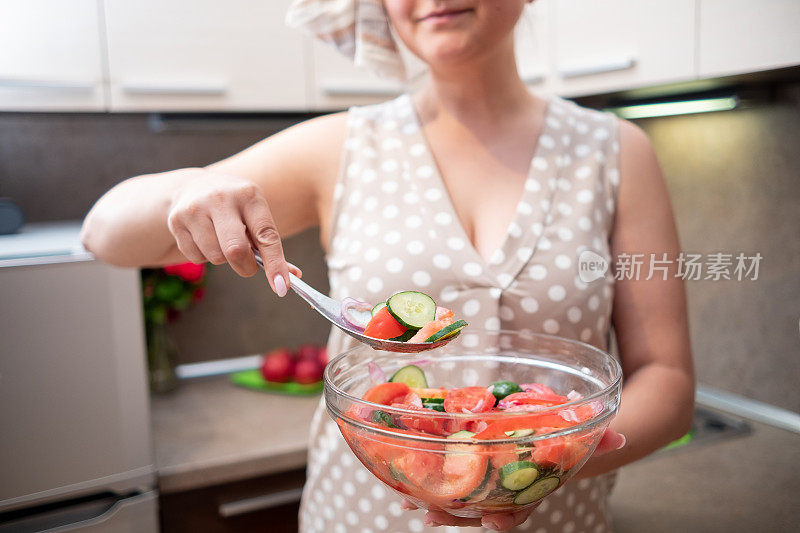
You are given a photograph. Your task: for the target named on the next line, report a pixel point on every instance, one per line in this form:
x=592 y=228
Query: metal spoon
x=332 y=310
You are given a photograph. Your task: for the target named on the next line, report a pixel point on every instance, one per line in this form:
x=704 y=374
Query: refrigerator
x=75 y=440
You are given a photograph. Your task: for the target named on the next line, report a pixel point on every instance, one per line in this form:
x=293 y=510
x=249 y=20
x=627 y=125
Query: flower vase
x=161 y=356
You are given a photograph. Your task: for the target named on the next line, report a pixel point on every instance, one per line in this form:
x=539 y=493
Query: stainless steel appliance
x=75 y=447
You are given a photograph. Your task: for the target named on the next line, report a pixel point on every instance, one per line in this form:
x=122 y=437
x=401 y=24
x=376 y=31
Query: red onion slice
x=376 y=373
x=356 y=313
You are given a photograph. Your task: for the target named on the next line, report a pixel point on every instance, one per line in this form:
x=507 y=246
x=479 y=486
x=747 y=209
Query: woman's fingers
x=266 y=239
x=609 y=442
x=295 y=270
x=186 y=244
x=232 y=237
x=205 y=237
x=408 y=506
x=496 y=522
x=441 y=518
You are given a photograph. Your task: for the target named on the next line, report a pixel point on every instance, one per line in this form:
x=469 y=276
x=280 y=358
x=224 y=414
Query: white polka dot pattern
x=395 y=228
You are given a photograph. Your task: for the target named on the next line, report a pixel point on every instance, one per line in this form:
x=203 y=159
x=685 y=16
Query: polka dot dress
x=395 y=228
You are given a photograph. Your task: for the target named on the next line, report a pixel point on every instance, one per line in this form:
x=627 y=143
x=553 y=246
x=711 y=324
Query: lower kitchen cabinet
x=260 y=504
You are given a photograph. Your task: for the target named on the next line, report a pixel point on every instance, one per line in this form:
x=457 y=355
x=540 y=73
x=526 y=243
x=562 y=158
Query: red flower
x=187 y=271
x=198 y=294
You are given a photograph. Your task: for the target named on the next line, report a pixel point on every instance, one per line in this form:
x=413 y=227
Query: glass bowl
x=516 y=458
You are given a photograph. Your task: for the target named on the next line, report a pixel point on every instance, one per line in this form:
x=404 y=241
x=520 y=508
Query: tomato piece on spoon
x=383 y=326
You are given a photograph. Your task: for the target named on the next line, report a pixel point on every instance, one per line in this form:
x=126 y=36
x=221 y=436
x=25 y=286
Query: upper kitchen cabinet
x=609 y=45
x=50 y=56
x=204 y=55
x=338 y=84
x=738 y=36
x=533 y=45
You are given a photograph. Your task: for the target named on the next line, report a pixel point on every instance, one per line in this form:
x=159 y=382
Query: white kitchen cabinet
x=609 y=45
x=50 y=56
x=739 y=36
x=533 y=45
x=338 y=84
x=204 y=55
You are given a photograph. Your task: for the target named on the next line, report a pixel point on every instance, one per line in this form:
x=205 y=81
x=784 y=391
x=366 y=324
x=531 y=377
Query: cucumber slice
x=434 y=406
x=412 y=309
x=386 y=419
x=437 y=404
x=537 y=491
x=518 y=475
x=447 y=331
x=520 y=433
x=433 y=400
x=411 y=375
x=405 y=336
x=461 y=435
x=501 y=389
x=377 y=308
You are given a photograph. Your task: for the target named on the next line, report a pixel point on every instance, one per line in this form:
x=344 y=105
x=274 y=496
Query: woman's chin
x=445 y=53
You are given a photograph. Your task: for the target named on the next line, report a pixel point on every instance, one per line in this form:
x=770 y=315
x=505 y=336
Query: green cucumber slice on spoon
x=412 y=309
x=447 y=331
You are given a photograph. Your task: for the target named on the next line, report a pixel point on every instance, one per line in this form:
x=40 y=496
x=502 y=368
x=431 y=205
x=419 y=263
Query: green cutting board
x=252 y=379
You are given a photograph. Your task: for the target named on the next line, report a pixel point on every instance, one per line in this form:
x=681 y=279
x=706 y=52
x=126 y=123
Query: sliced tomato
x=387 y=393
x=424 y=422
x=443 y=312
x=441 y=478
x=564 y=452
x=383 y=326
x=531 y=398
x=430 y=328
x=502 y=454
x=498 y=429
x=472 y=399
x=542 y=392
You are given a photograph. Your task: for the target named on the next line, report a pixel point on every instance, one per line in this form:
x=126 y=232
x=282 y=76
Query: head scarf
x=358 y=29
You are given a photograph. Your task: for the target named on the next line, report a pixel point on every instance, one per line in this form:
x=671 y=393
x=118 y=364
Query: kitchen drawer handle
x=367 y=88
x=22 y=83
x=533 y=78
x=259 y=503
x=613 y=65
x=187 y=89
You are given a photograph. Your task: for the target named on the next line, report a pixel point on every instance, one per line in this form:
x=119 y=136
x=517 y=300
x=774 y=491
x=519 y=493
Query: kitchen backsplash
x=734 y=178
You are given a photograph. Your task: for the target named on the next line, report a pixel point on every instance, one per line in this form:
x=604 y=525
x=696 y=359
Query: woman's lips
x=445 y=15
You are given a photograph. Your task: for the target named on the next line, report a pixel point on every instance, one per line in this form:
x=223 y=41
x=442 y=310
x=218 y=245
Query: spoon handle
x=328 y=307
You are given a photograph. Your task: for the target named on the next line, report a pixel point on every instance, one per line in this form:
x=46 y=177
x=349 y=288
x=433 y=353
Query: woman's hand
x=222 y=218
x=610 y=442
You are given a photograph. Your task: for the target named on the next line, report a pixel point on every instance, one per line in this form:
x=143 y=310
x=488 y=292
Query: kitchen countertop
x=209 y=431
x=748 y=483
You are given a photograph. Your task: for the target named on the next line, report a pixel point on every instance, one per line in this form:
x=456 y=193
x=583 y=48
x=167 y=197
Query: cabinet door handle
x=259 y=503
x=23 y=83
x=210 y=88
x=365 y=88
x=533 y=78
x=611 y=65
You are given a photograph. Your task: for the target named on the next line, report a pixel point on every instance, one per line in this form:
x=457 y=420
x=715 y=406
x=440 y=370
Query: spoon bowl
x=332 y=310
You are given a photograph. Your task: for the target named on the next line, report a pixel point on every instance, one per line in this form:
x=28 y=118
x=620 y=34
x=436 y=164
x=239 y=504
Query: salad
x=408 y=316
x=484 y=462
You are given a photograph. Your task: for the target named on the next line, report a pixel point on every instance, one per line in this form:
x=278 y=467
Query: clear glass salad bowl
x=474 y=463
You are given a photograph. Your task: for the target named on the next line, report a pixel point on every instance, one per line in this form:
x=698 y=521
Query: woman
x=473 y=190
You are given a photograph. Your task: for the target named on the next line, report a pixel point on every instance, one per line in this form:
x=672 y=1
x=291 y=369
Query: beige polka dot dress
x=395 y=228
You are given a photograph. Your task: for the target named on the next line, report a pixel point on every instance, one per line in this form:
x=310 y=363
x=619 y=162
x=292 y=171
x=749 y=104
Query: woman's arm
x=219 y=212
x=650 y=318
